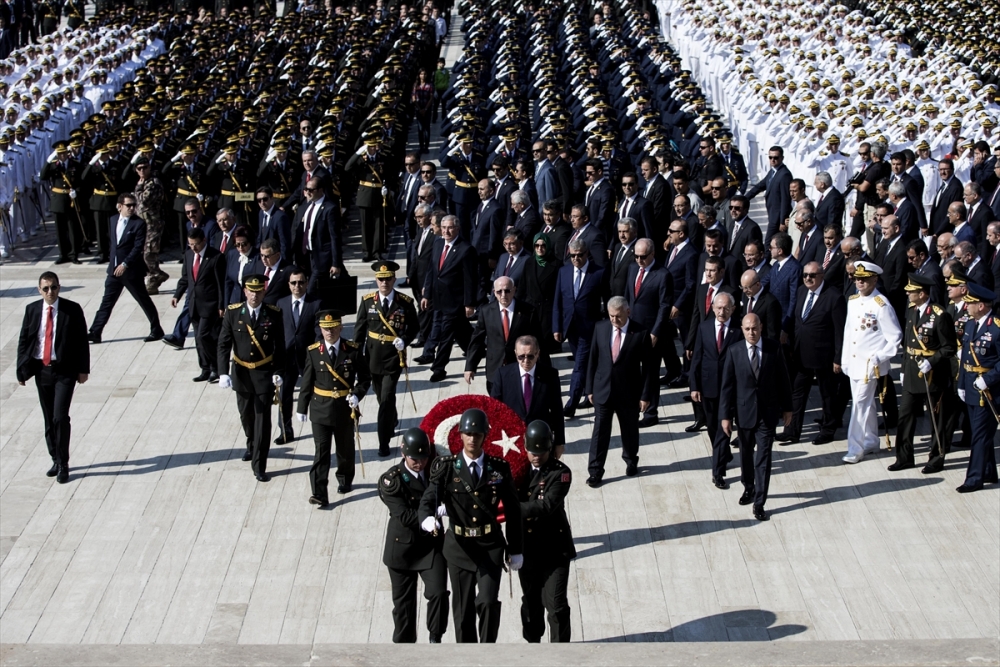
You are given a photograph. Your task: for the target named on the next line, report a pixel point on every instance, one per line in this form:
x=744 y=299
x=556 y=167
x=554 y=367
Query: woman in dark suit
x=538 y=286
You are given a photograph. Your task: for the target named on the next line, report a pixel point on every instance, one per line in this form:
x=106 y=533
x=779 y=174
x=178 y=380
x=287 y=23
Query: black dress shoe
x=102 y=259
x=153 y=336
x=584 y=404
x=569 y=413
x=94 y=338
x=631 y=469
x=213 y=378
x=646 y=422
x=248 y=456
x=932 y=468
x=316 y=500
x=694 y=428
x=424 y=359
x=62 y=474
x=344 y=488
x=760 y=514
x=282 y=440
x=53 y=470
x=593 y=482
x=435 y=639
x=678 y=383
x=720 y=483
x=822 y=439
x=173 y=342
x=203 y=377
x=787 y=438
x=76 y=260
x=62 y=260
x=418 y=343
x=665 y=381
x=897 y=466
x=383 y=452
x=746 y=498
x=969 y=488
x=437 y=376
x=262 y=477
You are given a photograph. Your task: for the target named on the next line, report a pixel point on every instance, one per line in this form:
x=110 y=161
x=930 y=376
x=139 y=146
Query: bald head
x=751 y=328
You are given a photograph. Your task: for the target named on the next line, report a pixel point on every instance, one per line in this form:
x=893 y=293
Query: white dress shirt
x=815 y=299
x=614 y=330
x=41 y=329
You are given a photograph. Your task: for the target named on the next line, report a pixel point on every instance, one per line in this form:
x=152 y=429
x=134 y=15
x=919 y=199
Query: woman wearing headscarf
x=538 y=286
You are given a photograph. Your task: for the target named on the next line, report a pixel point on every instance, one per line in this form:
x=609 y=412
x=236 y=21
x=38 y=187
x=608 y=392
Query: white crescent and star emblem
x=507 y=443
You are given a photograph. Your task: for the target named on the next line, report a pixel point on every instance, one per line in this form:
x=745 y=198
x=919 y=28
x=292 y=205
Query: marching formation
x=586 y=200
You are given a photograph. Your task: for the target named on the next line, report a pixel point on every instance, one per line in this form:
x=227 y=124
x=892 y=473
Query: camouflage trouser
x=151 y=253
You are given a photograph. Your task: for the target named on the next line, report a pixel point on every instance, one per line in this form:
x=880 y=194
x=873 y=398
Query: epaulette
x=234 y=306
x=273 y=307
x=390 y=482
x=370 y=296
x=349 y=343
x=403 y=297
x=937 y=309
x=315 y=345
x=440 y=466
x=498 y=459
x=880 y=301
x=853 y=296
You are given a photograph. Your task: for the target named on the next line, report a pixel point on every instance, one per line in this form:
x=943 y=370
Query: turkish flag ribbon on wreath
x=505 y=439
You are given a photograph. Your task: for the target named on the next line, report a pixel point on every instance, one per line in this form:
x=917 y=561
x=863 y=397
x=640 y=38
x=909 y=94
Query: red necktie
x=222 y=246
x=47 y=347
x=506 y=271
x=617 y=347
x=718 y=343
x=829 y=255
x=506 y=324
x=267 y=276
x=638 y=282
x=444 y=254
x=708 y=300
x=196 y=266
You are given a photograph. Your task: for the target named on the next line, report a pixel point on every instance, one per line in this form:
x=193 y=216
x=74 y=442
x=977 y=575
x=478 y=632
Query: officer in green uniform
x=334 y=381
x=254 y=333
x=187 y=175
x=548 y=542
x=374 y=196
x=410 y=551
x=386 y=325
x=956 y=282
x=929 y=336
x=61 y=171
x=279 y=173
x=100 y=178
x=233 y=187
x=74 y=12
x=467 y=488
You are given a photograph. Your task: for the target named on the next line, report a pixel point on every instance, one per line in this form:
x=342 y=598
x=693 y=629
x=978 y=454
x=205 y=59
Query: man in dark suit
x=993 y=199
x=592 y=237
x=976 y=268
x=524 y=216
x=832 y=258
x=681 y=264
x=979 y=215
x=556 y=227
x=635 y=206
x=783 y=281
x=486 y=232
x=756 y=392
x=52 y=348
x=923 y=265
x=891 y=256
x=600 y=198
x=575 y=310
x=451 y=290
x=418 y=267
x=714 y=338
x=830 y=206
x=511 y=263
x=299 y=312
x=272 y=222
x=659 y=193
x=275 y=268
x=993 y=250
x=775 y=186
x=906 y=212
x=239 y=262
x=948 y=193
x=501 y=322
x=311 y=168
x=204 y=275
x=536 y=398
x=744 y=230
x=810 y=247
x=317 y=240
x=618 y=381
x=622 y=258
x=126 y=270
x=817 y=341
x=760 y=303
x=648 y=292
x=406 y=198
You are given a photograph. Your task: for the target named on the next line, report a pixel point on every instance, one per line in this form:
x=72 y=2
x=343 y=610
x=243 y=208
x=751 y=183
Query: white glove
x=93 y=160
x=72 y=194
x=301 y=417
x=52 y=158
x=961 y=394
x=430 y=524
x=352 y=401
x=980 y=383
x=220 y=159
x=398 y=344
x=441 y=511
x=924 y=366
x=135 y=158
x=176 y=158
x=276 y=379
x=225 y=382
x=516 y=562
x=385 y=191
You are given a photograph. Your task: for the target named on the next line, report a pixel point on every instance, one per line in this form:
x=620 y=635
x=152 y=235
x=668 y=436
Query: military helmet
x=538 y=437
x=415 y=444
x=474 y=420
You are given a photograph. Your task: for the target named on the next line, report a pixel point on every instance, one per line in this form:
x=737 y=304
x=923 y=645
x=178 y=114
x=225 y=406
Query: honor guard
x=871 y=338
x=465 y=169
x=334 y=381
x=253 y=331
x=548 y=541
x=187 y=175
x=979 y=386
x=468 y=487
x=956 y=283
x=410 y=551
x=277 y=171
x=374 y=197
x=930 y=345
x=386 y=325
x=60 y=171
x=100 y=178
x=234 y=189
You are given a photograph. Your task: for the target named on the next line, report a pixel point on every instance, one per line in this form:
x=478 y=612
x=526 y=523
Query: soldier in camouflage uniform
x=149 y=195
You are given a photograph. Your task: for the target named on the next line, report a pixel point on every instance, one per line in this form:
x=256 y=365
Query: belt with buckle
x=920 y=353
x=60 y=191
x=282 y=195
x=462 y=184
x=478 y=531
x=253 y=364
x=330 y=394
x=105 y=193
x=369 y=184
x=186 y=193
x=382 y=338
x=969 y=368
x=226 y=193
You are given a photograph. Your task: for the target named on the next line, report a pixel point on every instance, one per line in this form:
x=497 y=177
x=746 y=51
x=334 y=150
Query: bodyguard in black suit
x=810 y=247
x=744 y=230
x=585 y=231
x=635 y=206
x=501 y=322
x=272 y=222
x=682 y=260
x=618 y=381
x=622 y=258
x=409 y=551
x=659 y=193
x=714 y=338
x=817 y=341
x=317 y=240
x=52 y=348
x=906 y=213
x=539 y=399
x=830 y=206
x=648 y=291
x=418 y=266
x=204 y=274
x=775 y=184
x=126 y=270
x=600 y=198
x=298 y=311
x=756 y=392
x=276 y=270
x=891 y=256
x=486 y=232
x=948 y=193
x=760 y=303
x=918 y=259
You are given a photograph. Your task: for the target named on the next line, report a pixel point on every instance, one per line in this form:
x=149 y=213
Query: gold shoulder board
x=234 y=306
x=315 y=345
x=853 y=296
x=880 y=301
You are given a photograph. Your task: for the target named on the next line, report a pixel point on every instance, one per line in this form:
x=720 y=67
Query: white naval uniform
x=871 y=338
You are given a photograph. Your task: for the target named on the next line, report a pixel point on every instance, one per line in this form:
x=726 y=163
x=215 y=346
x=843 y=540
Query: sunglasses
x=126 y=205
x=810 y=275
x=540 y=245
x=383 y=280
x=426 y=171
x=49 y=288
x=578 y=254
x=260 y=199
x=310 y=189
x=628 y=185
x=526 y=357
x=674 y=231
x=590 y=173
x=641 y=256
x=503 y=290
x=773 y=157
x=296 y=282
